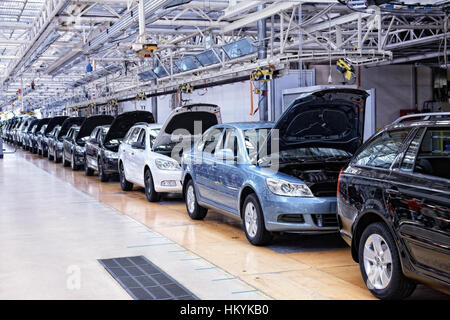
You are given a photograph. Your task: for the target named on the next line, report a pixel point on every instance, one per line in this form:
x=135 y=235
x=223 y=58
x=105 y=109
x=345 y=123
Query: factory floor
x=55 y=225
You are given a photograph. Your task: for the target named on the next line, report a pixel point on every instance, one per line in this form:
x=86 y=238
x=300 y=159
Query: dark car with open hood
x=47 y=134
x=55 y=145
x=394 y=206
x=108 y=149
x=37 y=133
x=74 y=146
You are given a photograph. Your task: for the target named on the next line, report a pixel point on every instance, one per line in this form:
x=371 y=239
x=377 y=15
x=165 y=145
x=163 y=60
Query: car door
x=128 y=152
x=228 y=173
x=138 y=155
x=420 y=198
x=204 y=164
x=91 y=148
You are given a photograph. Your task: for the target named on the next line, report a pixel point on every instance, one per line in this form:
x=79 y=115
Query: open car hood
x=41 y=123
x=56 y=121
x=69 y=122
x=91 y=123
x=330 y=118
x=123 y=122
x=184 y=118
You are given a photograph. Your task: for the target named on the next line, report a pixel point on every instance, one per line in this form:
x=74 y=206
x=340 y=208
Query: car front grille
x=325 y=220
x=325 y=189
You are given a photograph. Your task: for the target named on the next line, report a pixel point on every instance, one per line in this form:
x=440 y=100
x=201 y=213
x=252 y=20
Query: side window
x=131 y=136
x=231 y=141
x=434 y=153
x=210 y=140
x=93 y=134
x=410 y=155
x=382 y=151
x=141 y=138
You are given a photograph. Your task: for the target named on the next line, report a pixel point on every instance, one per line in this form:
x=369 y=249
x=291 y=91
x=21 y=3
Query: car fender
x=249 y=183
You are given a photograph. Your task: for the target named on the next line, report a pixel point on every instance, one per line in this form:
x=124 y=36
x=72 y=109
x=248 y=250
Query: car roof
x=419 y=123
x=148 y=125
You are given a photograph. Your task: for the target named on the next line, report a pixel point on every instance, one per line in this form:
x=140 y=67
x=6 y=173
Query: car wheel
x=380 y=264
x=102 y=176
x=55 y=157
x=44 y=153
x=87 y=171
x=73 y=165
x=254 y=227
x=65 y=162
x=124 y=183
x=195 y=211
x=150 y=193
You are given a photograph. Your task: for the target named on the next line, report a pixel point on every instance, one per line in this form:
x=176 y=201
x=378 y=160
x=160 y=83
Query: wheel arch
x=246 y=190
x=361 y=224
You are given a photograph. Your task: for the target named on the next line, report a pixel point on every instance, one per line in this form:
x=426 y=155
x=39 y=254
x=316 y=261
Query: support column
x=154 y=100
x=262 y=54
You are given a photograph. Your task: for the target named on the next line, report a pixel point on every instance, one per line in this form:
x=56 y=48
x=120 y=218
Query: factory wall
x=394 y=86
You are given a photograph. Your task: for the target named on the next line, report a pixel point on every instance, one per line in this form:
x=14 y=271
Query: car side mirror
x=225 y=155
x=138 y=145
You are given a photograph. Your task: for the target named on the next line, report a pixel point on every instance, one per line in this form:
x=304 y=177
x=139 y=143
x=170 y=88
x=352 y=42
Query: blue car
x=277 y=177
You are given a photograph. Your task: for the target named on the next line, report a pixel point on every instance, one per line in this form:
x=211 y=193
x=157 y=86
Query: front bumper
x=300 y=215
x=79 y=159
x=111 y=165
x=167 y=181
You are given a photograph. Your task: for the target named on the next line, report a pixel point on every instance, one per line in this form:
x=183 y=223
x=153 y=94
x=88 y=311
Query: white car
x=150 y=154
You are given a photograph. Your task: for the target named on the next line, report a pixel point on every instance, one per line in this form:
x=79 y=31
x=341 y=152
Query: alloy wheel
x=251 y=219
x=377 y=261
x=190 y=198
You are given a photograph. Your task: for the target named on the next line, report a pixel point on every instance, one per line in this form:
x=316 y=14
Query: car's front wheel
x=65 y=162
x=102 y=176
x=124 y=183
x=55 y=157
x=150 y=193
x=50 y=155
x=255 y=229
x=73 y=164
x=194 y=210
x=87 y=171
x=380 y=266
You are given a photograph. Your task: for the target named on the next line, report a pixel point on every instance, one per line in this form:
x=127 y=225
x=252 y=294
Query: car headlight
x=170 y=165
x=288 y=189
x=111 y=155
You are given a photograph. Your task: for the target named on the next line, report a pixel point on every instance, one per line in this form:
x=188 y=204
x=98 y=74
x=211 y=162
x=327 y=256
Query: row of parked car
x=307 y=173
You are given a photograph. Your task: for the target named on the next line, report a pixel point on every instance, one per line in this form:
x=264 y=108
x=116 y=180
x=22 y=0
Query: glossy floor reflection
x=295 y=267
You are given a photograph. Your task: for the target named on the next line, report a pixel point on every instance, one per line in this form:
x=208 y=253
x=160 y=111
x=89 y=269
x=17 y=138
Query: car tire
x=395 y=285
x=102 y=176
x=253 y=219
x=195 y=211
x=87 y=171
x=45 y=154
x=73 y=165
x=150 y=193
x=124 y=183
x=55 y=157
x=64 y=161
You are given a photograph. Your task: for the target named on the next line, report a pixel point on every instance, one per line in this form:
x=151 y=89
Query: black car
x=69 y=144
x=74 y=148
x=55 y=145
x=43 y=141
x=52 y=140
x=394 y=206
x=92 y=152
x=108 y=152
x=36 y=133
x=25 y=129
x=39 y=137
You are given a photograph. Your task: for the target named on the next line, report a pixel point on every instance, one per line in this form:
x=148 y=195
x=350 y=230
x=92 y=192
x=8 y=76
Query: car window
x=94 y=134
x=141 y=138
x=410 y=154
x=153 y=133
x=434 y=153
x=231 y=141
x=381 y=152
x=134 y=136
x=210 y=140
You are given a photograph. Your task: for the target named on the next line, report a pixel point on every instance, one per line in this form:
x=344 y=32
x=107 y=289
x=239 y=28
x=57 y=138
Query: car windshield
x=253 y=139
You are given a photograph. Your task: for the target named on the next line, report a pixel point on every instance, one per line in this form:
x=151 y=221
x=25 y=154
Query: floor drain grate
x=145 y=281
